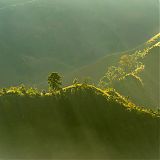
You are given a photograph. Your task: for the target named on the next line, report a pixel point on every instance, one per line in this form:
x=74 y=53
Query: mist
x=63 y=35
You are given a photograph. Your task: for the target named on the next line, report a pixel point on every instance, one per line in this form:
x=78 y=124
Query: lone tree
x=54 y=81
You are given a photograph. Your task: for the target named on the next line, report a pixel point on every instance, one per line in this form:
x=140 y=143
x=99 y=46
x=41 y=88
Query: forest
x=79 y=80
x=83 y=119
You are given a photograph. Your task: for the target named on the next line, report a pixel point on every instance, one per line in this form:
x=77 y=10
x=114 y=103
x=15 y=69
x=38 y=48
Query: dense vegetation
x=135 y=71
x=107 y=104
x=79 y=121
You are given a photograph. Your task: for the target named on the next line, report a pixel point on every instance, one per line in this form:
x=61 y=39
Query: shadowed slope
x=80 y=121
x=147 y=95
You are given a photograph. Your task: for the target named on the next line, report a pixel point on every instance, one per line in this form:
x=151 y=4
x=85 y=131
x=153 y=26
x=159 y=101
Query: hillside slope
x=147 y=95
x=80 y=122
x=62 y=36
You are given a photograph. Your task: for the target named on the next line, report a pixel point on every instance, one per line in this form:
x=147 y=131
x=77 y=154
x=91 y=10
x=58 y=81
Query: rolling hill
x=147 y=95
x=80 y=119
x=79 y=122
x=63 y=36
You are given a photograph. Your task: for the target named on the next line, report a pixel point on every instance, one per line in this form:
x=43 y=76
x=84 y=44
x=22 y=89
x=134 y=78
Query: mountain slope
x=147 y=95
x=73 y=33
x=80 y=122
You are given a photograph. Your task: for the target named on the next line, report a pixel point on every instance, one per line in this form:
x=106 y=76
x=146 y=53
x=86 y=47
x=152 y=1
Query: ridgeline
x=77 y=122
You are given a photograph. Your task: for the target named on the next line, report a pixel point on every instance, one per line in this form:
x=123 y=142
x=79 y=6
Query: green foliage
x=3 y=91
x=148 y=55
x=80 y=119
x=75 y=81
x=54 y=81
x=130 y=65
x=20 y=91
x=33 y=92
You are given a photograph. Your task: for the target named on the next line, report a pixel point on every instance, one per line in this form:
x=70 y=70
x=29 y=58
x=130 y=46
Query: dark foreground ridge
x=78 y=122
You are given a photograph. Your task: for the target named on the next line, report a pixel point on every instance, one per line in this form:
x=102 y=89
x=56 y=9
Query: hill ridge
x=109 y=94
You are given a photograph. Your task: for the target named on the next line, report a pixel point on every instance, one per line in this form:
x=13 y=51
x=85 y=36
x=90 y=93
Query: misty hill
x=37 y=37
x=80 y=121
x=147 y=95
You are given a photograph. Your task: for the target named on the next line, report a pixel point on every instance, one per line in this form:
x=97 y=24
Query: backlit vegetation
x=130 y=65
x=80 y=120
x=77 y=121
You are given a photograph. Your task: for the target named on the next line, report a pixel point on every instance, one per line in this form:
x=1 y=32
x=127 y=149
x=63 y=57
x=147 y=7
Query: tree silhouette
x=54 y=81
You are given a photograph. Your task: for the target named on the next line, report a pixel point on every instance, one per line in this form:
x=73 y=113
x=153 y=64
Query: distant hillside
x=147 y=95
x=79 y=122
x=37 y=37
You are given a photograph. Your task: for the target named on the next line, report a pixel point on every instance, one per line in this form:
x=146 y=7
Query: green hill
x=147 y=95
x=63 y=36
x=78 y=122
x=76 y=40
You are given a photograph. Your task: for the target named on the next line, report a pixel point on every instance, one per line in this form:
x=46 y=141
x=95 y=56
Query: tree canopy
x=54 y=81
